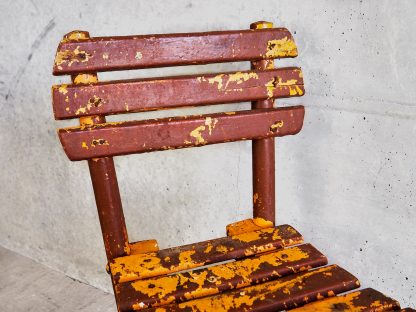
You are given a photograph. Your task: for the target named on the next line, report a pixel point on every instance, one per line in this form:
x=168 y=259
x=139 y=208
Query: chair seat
x=266 y=270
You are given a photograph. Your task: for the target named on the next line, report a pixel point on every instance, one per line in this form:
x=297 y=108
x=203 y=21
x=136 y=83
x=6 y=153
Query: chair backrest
x=95 y=140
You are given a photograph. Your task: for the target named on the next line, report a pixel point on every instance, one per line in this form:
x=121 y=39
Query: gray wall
x=347 y=181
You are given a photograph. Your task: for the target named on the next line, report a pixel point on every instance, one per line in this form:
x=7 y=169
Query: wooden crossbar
x=126 y=96
x=122 y=138
x=79 y=54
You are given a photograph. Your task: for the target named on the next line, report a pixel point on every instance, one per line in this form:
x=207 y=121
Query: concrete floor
x=29 y=286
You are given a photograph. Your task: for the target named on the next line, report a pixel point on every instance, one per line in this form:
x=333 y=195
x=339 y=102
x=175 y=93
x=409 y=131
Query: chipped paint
x=355 y=302
x=68 y=57
x=99 y=142
x=240 y=77
x=135 y=267
x=222 y=249
x=186 y=256
x=277 y=82
x=217 y=79
x=158 y=287
x=295 y=90
x=256 y=235
x=263 y=223
x=63 y=89
x=270 y=87
x=270 y=65
x=138 y=55
x=145 y=246
x=126 y=247
x=85 y=79
x=249 y=297
x=197 y=134
x=75 y=36
x=127 y=267
x=263 y=25
x=235 y=79
x=209 y=248
x=210 y=122
x=275 y=126
x=208 y=281
x=255 y=198
x=95 y=101
x=248 y=225
x=81 y=110
x=281 y=48
x=87 y=121
x=84 y=145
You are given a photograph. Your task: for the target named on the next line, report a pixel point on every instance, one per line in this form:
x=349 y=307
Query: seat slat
x=281 y=294
x=195 y=284
x=123 y=138
x=186 y=257
x=366 y=300
x=115 y=97
x=133 y=52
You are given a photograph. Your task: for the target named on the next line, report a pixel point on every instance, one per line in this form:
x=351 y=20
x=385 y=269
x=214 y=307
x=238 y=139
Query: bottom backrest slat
x=111 y=139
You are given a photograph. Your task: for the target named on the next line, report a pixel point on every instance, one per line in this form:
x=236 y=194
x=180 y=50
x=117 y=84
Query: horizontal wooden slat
x=366 y=300
x=281 y=294
x=133 y=52
x=195 y=284
x=186 y=257
x=125 y=96
x=130 y=137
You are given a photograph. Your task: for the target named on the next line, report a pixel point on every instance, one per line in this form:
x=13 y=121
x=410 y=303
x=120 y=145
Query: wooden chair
x=273 y=270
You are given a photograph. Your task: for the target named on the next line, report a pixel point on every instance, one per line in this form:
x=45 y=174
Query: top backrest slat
x=134 y=52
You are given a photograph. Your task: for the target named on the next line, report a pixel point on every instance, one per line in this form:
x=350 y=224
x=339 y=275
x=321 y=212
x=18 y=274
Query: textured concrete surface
x=347 y=181
x=27 y=286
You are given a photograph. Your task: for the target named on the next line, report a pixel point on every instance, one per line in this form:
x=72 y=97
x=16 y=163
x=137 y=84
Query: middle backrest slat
x=122 y=138
x=115 y=97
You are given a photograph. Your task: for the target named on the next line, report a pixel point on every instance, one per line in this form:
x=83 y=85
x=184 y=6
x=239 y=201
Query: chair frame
x=104 y=177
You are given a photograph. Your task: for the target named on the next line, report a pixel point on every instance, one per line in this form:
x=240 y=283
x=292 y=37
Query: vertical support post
x=104 y=181
x=263 y=153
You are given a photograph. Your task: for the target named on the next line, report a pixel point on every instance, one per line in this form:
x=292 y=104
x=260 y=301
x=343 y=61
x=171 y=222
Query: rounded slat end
x=261 y=25
x=77 y=35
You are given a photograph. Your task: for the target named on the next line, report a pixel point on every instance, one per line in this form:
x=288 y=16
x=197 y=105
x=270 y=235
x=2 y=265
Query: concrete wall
x=347 y=181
